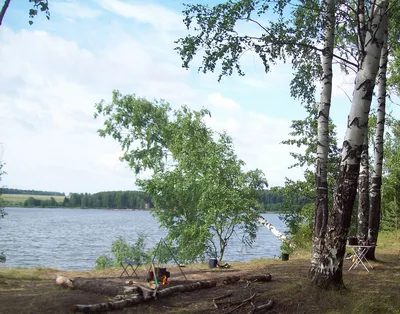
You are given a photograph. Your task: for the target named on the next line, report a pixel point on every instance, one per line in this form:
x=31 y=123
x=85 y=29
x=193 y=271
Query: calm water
x=72 y=239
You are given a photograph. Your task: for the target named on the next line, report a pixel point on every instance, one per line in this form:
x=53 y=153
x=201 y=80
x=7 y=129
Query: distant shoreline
x=112 y=209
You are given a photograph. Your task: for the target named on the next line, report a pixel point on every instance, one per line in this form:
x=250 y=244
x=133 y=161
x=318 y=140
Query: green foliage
x=110 y=199
x=299 y=196
x=286 y=248
x=123 y=251
x=38 y=6
x=200 y=192
x=219 y=36
x=391 y=179
x=103 y=262
x=303 y=236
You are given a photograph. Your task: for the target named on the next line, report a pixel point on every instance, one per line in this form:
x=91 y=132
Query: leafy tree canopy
x=200 y=191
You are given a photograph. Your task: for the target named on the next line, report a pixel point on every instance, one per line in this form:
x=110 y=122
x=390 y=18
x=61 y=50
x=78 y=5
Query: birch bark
x=329 y=274
x=321 y=175
x=375 y=207
x=363 y=193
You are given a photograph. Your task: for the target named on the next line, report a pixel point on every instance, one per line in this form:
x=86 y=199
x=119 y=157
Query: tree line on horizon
x=270 y=200
x=31 y=192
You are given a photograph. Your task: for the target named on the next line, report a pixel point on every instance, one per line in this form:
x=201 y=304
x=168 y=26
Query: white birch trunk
x=275 y=231
x=375 y=206
x=329 y=271
x=321 y=173
x=363 y=193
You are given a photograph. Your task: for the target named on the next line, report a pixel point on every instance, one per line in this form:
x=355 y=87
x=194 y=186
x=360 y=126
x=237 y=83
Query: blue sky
x=53 y=73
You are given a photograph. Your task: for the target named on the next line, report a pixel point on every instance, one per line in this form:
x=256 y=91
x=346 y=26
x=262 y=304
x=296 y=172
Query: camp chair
x=133 y=265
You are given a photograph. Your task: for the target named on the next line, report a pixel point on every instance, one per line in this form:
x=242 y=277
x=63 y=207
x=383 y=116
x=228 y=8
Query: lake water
x=72 y=239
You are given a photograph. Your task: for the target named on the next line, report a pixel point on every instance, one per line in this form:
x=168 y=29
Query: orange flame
x=165 y=281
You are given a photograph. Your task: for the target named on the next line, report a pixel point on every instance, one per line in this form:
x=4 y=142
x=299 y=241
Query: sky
x=54 y=72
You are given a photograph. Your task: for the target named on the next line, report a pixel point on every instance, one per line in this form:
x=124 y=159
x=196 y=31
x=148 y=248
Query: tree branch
x=296 y=44
x=4 y=9
x=288 y=43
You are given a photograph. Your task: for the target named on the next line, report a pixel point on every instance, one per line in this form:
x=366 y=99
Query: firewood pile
x=133 y=292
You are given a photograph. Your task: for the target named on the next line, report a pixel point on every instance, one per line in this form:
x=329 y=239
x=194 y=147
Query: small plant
x=103 y=262
x=123 y=251
x=285 y=248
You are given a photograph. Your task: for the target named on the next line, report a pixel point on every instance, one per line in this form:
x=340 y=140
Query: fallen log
x=258 y=278
x=275 y=231
x=120 y=304
x=186 y=288
x=230 y=280
x=98 y=286
x=108 y=306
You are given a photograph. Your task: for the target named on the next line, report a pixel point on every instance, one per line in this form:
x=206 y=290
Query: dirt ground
x=35 y=291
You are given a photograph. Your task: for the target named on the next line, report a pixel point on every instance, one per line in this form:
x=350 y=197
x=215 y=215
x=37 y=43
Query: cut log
x=98 y=286
x=104 y=307
x=120 y=304
x=230 y=280
x=258 y=278
x=186 y=287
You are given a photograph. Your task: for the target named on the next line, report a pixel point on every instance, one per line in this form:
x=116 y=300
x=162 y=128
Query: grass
x=19 y=199
x=34 y=290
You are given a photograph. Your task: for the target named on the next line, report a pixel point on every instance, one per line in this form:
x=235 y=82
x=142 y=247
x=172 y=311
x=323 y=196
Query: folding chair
x=125 y=265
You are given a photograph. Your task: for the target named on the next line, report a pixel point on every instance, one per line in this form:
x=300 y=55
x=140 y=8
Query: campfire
x=162 y=276
x=165 y=280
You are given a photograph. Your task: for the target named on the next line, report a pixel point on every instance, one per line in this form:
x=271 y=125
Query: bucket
x=212 y=262
x=285 y=256
x=353 y=241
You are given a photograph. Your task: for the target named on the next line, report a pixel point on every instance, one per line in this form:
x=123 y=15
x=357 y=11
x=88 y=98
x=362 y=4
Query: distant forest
x=270 y=200
x=30 y=192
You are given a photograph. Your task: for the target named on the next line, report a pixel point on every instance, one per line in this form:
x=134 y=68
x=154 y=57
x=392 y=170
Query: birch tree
x=281 y=40
x=329 y=271
x=375 y=210
x=200 y=191
x=321 y=174
x=363 y=193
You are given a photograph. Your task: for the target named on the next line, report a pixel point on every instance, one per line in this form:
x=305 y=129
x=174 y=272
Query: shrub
x=103 y=262
x=123 y=251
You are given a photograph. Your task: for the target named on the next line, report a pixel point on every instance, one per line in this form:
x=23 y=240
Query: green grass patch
x=19 y=199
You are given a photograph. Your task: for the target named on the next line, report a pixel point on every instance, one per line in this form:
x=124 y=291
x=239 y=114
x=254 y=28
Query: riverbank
x=34 y=290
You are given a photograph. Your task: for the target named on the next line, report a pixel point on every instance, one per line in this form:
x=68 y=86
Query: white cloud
x=72 y=10
x=257 y=140
x=48 y=89
x=156 y=15
x=220 y=102
x=109 y=160
x=49 y=86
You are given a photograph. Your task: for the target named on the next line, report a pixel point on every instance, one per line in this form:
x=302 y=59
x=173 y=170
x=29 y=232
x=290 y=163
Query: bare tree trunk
x=4 y=10
x=329 y=274
x=275 y=231
x=363 y=193
x=321 y=174
x=375 y=209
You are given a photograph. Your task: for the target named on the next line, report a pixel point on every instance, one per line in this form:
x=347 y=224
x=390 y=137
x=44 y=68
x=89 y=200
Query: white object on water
x=275 y=231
